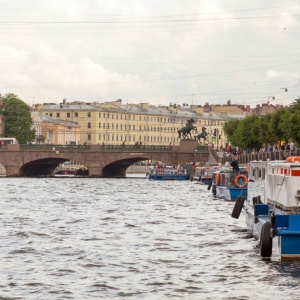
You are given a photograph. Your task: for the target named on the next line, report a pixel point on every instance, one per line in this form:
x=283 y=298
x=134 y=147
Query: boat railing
x=227 y=179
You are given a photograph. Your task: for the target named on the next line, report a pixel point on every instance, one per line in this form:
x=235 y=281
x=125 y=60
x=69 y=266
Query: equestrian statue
x=186 y=131
x=203 y=135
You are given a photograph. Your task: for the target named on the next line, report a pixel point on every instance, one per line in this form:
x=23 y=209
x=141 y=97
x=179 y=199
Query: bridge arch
x=118 y=168
x=40 y=167
x=107 y=161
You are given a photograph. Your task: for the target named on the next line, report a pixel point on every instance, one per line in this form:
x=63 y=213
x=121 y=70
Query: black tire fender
x=238 y=206
x=210 y=184
x=266 y=240
x=214 y=190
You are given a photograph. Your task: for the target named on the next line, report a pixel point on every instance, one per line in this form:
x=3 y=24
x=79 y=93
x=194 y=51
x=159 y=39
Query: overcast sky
x=158 y=51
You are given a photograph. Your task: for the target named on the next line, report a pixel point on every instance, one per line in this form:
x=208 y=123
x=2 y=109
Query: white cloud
x=156 y=51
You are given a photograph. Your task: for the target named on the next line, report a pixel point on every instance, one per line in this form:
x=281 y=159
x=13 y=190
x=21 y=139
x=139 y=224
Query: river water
x=84 y=238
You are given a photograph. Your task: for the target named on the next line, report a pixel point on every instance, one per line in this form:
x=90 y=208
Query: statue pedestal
x=187 y=146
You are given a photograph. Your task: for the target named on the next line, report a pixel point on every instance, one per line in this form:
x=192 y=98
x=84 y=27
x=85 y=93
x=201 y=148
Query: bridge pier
x=94 y=170
x=12 y=170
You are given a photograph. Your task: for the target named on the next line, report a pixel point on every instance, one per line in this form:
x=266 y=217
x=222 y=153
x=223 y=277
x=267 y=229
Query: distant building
x=115 y=123
x=265 y=108
x=54 y=131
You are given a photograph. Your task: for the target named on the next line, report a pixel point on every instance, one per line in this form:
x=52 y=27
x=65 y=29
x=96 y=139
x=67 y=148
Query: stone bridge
x=101 y=161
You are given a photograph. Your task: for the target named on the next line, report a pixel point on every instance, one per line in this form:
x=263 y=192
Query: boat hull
x=230 y=193
x=204 y=180
x=169 y=177
x=285 y=234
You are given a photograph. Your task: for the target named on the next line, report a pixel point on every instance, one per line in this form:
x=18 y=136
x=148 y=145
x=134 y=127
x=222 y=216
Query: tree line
x=258 y=131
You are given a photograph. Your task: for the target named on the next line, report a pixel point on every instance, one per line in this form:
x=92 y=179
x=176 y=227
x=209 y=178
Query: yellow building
x=60 y=132
x=115 y=123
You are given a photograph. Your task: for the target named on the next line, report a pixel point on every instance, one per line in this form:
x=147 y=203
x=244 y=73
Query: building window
x=89 y=137
x=107 y=125
x=108 y=116
x=68 y=115
x=57 y=115
x=50 y=114
x=99 y=126
x=88 y=114
x=89 y=125
x=116 y=126
x=76 y=115
x=112 y=116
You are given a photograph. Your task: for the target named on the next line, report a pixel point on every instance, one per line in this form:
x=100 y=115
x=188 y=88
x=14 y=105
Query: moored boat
x=204 y=174
x=274 y=216
x=168 y=173
x=229 y=185
x=71 y=169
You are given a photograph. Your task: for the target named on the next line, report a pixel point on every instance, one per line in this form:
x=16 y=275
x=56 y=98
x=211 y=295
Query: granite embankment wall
x=2 y=170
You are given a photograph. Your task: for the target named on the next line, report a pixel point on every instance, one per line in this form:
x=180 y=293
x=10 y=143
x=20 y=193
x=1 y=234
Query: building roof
x=48 y=119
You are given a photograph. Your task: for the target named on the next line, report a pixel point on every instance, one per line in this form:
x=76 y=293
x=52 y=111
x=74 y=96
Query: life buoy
x=160 y=171
x=218 y=179
x=240 y=185
x=293 y=159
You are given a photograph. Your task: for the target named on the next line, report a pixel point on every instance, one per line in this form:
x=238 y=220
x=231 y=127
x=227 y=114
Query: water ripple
x=129 y=238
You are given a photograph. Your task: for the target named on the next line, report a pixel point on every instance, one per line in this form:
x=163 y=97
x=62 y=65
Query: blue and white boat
x=229 y=185
x=274 y=217
x=168 y=173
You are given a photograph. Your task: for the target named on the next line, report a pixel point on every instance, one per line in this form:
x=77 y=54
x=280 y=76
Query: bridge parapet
x=117 y=148
x=138 y=148
x=37 y=147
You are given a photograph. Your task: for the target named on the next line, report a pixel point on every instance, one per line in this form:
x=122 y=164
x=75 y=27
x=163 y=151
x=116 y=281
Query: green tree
x=279 y=124
x=294 y=126
x=230 y=131
x=17 y=118
x=248 y=132
x=265 y=133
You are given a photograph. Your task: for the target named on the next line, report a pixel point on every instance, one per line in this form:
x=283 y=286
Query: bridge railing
x=53 y=147
x=131 y=148
x=264 y=156
x=136 y=147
